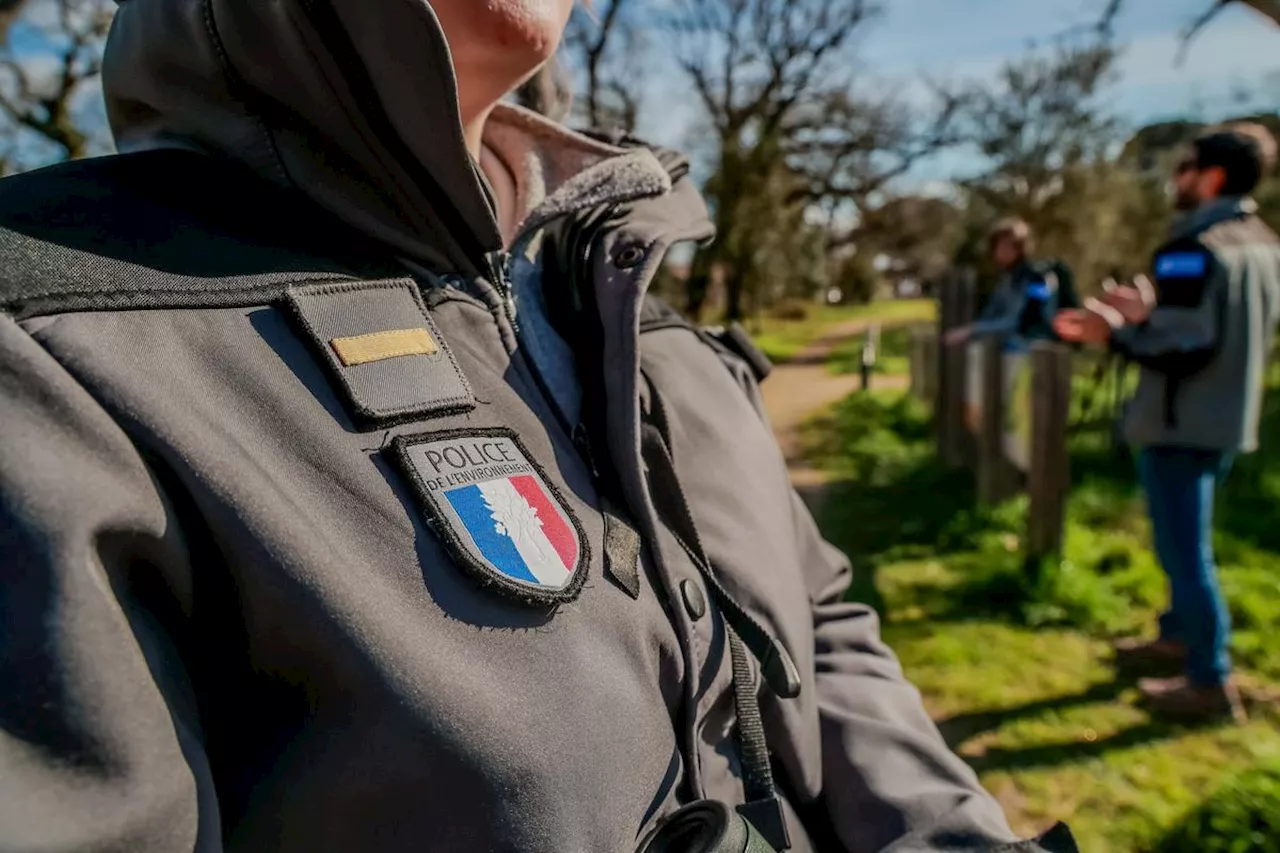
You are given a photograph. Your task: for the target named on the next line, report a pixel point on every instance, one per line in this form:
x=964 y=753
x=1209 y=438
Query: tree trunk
x=735 y=286
x=696 y=289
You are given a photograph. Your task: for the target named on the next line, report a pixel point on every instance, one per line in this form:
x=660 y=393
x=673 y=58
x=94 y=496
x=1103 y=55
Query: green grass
x=1011 y=659
x=783 y=339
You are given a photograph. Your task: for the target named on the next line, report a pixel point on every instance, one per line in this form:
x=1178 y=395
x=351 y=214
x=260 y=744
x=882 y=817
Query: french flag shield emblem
x=497 y=513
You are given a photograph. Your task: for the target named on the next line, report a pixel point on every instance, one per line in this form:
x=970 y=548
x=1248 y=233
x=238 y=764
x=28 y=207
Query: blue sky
x=969 y=39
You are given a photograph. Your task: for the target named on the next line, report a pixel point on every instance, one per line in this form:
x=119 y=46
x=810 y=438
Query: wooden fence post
x=1050 y=476
x=955 y=309
x=915 y=351
x=994 y=480
x=930 y=361
x=923 y=363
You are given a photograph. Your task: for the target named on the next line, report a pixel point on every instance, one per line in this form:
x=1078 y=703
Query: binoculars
x=705 y=827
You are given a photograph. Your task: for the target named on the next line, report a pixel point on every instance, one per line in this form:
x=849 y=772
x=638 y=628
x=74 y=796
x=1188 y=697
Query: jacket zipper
x=499 y=264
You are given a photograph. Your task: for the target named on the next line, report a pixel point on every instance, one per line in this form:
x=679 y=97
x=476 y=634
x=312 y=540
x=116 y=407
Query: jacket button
x=694 y=601
x=628 y=257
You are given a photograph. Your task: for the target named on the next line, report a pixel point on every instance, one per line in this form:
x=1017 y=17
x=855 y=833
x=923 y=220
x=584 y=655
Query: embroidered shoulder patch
x=497 y=513
x=1181 y=265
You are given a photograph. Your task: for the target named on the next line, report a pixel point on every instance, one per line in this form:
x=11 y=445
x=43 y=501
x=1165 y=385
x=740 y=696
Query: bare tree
x=850 y=149
x=752 y=61
x=605 y=46
x=1040 y=117
x=774 y=78
x=754 y=64
x=41 y=84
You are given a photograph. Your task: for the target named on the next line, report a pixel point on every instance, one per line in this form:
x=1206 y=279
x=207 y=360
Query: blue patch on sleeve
x=1182 y=265
x=1038 y=290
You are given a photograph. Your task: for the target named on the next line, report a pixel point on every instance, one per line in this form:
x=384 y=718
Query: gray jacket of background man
x=246 y=604
x=1204 y=350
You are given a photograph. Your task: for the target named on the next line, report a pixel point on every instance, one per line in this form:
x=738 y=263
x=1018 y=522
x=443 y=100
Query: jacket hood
x=352 y=102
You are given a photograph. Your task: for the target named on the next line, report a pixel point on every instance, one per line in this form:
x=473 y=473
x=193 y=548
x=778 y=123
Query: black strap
x=757 y=774
x=763 y=807
x=775 y=662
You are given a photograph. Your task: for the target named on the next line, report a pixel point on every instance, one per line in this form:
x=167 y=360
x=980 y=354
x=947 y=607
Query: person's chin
x=528 y=28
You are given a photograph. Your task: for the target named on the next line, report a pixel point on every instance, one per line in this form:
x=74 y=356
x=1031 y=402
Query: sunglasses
x=1185 y=165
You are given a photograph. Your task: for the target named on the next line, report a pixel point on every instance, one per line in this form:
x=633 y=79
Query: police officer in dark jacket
x=1030 y=292
x=1201 y=329
x=355 y=497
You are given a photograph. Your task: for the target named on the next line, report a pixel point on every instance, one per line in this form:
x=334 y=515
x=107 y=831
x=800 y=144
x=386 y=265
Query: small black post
x=868 y=361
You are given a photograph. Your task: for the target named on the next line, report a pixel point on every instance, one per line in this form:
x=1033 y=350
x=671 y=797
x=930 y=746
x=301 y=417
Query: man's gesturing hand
x=1082 y=325
x=1135 y=302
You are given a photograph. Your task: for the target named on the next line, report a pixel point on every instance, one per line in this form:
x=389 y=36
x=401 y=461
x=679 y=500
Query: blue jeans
x=1179 y=483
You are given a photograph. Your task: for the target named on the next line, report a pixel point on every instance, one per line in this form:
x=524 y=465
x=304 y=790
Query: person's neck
x=473 y=131
x=501 y=181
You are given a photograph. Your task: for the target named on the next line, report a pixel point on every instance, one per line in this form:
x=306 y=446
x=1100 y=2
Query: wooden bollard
x=930 y=363
x=993 y=468
x=918 y=361
x=956 y=309
x=953 y=438
x=1049 y=479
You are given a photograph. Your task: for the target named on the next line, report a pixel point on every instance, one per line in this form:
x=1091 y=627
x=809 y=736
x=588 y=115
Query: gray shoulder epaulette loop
x=735 y=339
x=732 y=339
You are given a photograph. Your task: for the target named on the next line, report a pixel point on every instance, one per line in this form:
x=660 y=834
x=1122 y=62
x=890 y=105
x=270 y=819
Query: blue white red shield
x=496 y=511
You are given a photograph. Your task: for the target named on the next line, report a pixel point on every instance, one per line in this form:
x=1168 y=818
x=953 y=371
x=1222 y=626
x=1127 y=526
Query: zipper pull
x=500 y=272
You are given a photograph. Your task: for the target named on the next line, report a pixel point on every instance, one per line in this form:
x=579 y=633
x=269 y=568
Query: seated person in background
x=1202 y=335
x=1029 y=295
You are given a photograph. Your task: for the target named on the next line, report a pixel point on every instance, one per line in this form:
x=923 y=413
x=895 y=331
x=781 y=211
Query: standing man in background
x=1202 y=336
x=1029 y=294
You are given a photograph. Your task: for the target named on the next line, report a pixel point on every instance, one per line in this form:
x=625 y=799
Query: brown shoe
x=1179 y=699
x=1150 y=657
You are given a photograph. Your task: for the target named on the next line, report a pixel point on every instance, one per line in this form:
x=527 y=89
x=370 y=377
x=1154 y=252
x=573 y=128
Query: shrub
x=1243 y=816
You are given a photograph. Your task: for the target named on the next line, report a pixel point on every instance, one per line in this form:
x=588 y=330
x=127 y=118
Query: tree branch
x=74 y=40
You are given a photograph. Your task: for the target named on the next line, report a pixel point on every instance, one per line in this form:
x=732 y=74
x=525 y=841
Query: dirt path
x=797 y=390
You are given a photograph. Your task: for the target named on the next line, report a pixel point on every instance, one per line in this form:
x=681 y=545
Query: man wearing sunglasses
x=1201 y=330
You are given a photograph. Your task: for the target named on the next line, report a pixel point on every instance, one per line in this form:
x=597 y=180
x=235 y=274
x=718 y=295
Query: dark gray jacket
x=297 y=553
x=1205 y=348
